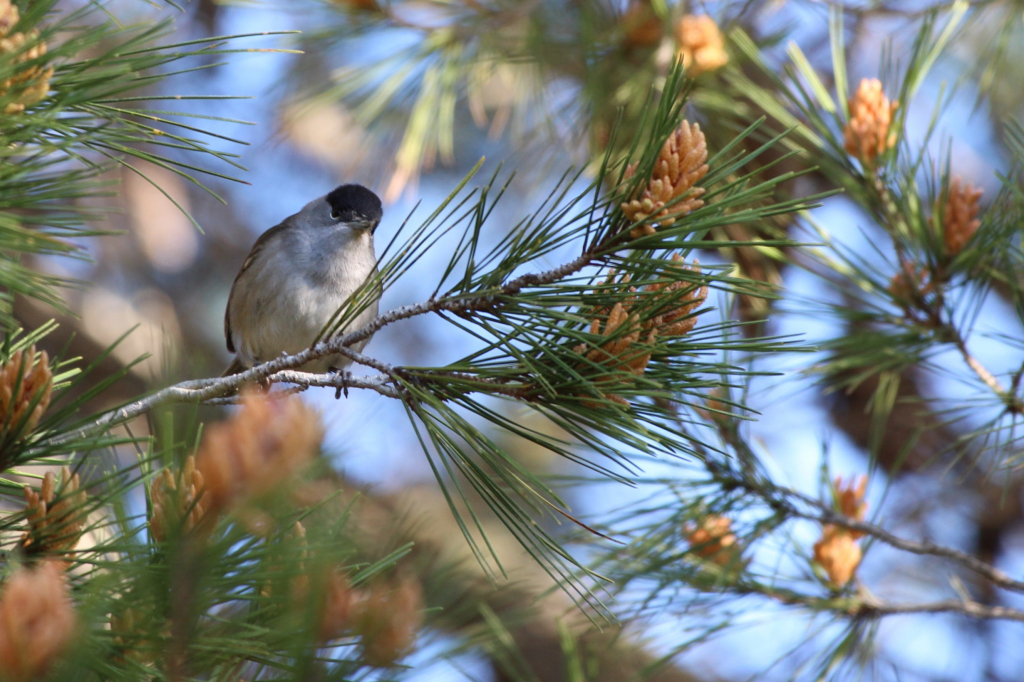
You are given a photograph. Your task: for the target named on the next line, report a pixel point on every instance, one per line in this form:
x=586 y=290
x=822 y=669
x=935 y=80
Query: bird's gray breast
x=296 y=286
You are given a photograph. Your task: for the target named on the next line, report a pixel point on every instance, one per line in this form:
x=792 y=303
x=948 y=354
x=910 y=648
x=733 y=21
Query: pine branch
x=278 y=370
x=826 y=515
x=780 y=498
x=788 y=502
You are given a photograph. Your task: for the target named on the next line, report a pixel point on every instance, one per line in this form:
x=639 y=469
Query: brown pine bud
x=630 y=340
x=837 y=551
x=623 y=331
x=9 y=16
x=340 y=602
x=623 y=351
x=866 y=135
x=261 y=447
x=388 y=618
x=641 y=25
x=55 y=525
x=678 y=169
x=715 y=406
x=959 y=216
x=838 y=554
x=25 y=386
x=910 y=282
x=37 y=622
x=849 y=500
x=700 y=44
x=29 y=84
x=678 y=320
x=714 y=540
x=178 y=501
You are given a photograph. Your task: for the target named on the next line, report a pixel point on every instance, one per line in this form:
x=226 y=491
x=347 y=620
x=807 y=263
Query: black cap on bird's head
x=355 y=204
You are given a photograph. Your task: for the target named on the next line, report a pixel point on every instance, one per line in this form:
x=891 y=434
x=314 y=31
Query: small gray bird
x=298 y=274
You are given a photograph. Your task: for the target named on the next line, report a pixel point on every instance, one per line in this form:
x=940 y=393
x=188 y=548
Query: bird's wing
x=256 y=248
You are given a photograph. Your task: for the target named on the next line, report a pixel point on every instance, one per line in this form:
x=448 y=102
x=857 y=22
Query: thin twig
x=868 y=606
x=379 y=383
x=214 y=391
x=980 y=369
x=970 y=608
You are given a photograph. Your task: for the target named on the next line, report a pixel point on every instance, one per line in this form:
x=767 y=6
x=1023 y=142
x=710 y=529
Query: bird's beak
x=370 y=225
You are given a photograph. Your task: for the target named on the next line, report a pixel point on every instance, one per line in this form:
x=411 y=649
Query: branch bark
x=869 y=606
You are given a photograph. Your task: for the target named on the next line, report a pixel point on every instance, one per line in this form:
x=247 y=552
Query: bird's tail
x=235 y=367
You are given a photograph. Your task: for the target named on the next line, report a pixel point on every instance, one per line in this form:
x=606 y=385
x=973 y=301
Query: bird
x=297 y=276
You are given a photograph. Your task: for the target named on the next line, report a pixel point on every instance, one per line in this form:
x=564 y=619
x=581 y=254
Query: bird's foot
x=345 y=377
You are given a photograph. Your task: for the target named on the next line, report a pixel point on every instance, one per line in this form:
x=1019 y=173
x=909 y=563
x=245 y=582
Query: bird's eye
x=335 y=215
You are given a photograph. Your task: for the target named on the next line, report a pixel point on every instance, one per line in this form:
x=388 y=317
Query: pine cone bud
x=714 y=407
x=175 y=506
x=388 y=618
x=30 y=84
x=616 y=351
x=385 y=614
x=849 y=500
x=641 y=25
x=340 y=601
x=630 y=340
x=9 y=16
x=624 y=350
x=866 y=135
x=37 y=622
x=714 y=540
x=680 y=165
x=837 y=551
x=678 y=320
x=262 y=446
x=959 y=217
x=700 y=44
x=55 y=526
x=838 y=554
x=910 y=282
x=25 y=386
